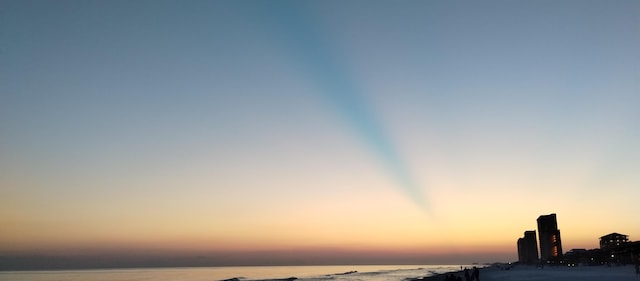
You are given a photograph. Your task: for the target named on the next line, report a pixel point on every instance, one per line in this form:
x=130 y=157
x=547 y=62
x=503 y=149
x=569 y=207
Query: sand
x=531 y=273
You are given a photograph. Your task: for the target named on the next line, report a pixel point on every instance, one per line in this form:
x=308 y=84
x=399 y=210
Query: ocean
x=305 y=273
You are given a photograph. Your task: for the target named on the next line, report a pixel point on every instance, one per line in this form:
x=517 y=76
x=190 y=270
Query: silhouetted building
x=619 y=250
x=613 y=240
x=577 y=257
x=528 y=248
x=550 y=242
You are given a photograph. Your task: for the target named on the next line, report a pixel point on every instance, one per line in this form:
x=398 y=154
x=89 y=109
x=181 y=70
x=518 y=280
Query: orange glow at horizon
x=349 y=223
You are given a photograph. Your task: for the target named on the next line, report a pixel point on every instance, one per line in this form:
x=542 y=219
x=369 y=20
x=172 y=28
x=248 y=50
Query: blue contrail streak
x=306 y=44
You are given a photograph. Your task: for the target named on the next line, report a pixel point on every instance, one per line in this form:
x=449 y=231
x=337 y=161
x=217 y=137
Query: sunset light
x=224 y=133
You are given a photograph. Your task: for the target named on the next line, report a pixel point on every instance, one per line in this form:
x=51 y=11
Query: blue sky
x=174 y=109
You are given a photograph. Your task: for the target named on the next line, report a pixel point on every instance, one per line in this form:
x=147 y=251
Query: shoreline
x=495 y=272
x=442 y=276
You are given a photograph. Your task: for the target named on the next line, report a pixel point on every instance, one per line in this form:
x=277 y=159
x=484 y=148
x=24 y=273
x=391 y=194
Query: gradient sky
x=421 y=129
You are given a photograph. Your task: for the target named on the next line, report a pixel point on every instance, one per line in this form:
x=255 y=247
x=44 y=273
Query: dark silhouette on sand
x=476 y=274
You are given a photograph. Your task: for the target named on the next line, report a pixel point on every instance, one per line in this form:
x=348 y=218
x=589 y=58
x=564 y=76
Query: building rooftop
x=613 y=234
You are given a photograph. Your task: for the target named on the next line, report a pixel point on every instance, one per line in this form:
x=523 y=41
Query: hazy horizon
x=315 y=130
x=151 y=259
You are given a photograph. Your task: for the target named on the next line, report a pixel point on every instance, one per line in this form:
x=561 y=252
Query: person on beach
x=466 y=274
x=475 y=274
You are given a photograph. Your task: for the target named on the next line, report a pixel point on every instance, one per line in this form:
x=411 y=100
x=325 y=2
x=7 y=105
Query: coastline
x=243 y=273
x=496 y=272
x=455 y=273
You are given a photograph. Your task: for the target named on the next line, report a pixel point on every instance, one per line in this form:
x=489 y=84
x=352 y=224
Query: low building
x=613 y=240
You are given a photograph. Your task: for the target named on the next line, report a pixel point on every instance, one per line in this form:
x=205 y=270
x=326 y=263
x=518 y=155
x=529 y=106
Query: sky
x=267 y=132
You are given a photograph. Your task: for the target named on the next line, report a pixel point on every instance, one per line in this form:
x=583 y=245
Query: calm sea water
x=306 y=273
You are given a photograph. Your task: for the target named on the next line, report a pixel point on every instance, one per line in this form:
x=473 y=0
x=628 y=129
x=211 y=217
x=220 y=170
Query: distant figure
x=475 y=274
x=466 y=275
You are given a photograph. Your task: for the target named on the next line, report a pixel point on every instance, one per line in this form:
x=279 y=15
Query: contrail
x=306 y=44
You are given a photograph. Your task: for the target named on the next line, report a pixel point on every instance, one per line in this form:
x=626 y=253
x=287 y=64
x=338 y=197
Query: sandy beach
x=531 y=273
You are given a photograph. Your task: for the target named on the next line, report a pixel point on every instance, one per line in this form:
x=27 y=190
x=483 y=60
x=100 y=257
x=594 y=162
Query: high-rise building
x=549 y=235
x=613 y=240
x=528 y=248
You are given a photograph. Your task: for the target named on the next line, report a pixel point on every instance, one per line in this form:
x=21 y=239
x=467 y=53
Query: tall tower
x=528 y=248
x=549 y=234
